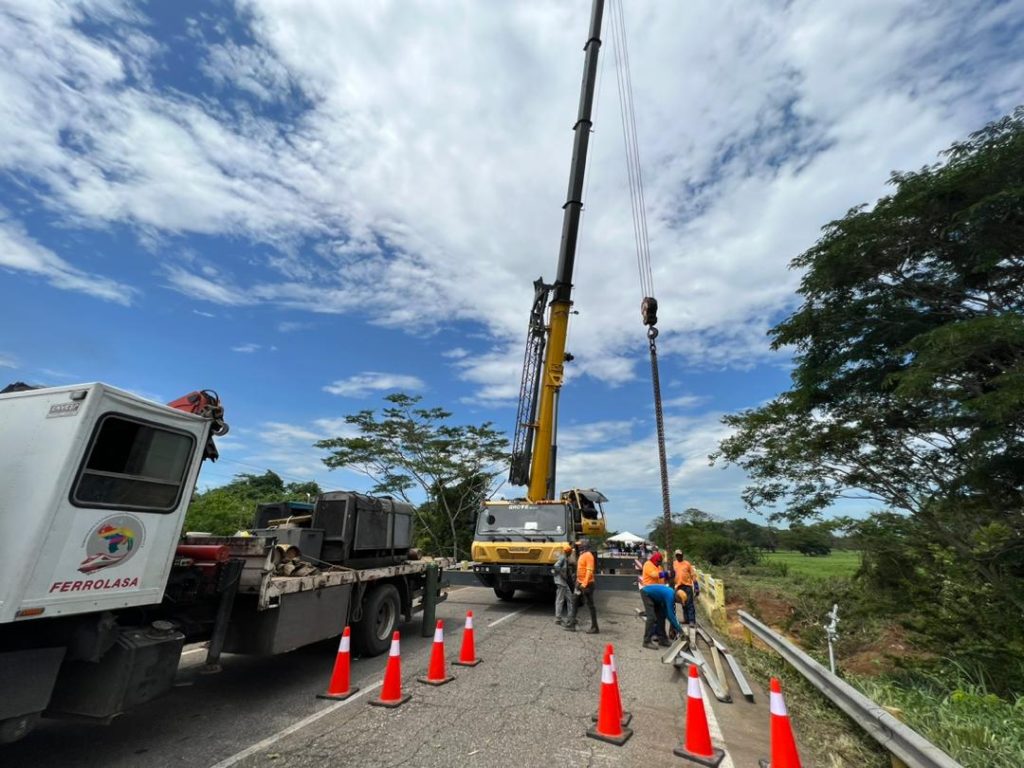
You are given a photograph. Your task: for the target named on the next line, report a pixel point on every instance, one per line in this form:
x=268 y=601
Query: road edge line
x=716 y=731
x=507 y=616
x=259 y=746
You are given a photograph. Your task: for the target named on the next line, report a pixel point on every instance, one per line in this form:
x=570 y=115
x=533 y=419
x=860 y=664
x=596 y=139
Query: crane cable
x=648 y=304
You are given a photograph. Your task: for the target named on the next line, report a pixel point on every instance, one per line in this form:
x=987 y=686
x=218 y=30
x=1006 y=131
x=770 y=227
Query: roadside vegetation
x=229 y=508
x=907 y=391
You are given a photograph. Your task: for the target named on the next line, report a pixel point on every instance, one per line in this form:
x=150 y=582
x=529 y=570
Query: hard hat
x=656 y=558
x=679 y=552
x=567 y=547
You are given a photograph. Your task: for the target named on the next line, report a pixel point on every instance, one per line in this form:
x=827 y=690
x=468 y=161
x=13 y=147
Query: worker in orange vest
x=653 y=575
x=686 y=580
x=586 y=568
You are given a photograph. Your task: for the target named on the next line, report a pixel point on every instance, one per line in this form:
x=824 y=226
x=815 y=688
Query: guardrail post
x=712 y=597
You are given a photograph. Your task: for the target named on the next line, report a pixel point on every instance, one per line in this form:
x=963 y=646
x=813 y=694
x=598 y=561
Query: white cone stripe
x=394 y=648
x=469 y=622
x=438 y=635
x=716 y=732
x=606 y=674
x=777 y=706
x=343 y=646
x=693 y=688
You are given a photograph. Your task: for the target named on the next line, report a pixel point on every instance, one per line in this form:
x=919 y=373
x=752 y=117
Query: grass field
x=839 y=563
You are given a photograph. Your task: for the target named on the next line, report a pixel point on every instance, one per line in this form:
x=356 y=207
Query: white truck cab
x=94 y=485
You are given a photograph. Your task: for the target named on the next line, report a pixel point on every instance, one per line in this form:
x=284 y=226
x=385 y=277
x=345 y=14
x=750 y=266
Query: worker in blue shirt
x=659 y=602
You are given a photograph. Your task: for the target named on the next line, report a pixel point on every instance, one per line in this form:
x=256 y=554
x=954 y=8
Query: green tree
x=702 y=538
x=808 y=539
x=408 y=447
x=231 y=507
x=908 y=387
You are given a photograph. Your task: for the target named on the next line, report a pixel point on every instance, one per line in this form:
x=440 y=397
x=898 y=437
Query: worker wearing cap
x=686 y=580
x=563 y=588
x=586 y=568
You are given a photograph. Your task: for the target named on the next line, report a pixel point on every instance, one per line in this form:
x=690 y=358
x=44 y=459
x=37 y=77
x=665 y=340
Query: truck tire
x=14 y=728
x=381 y=609
x=505 y=591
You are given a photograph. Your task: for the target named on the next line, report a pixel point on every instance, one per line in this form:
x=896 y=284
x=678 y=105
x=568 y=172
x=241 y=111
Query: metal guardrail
x=900 y=739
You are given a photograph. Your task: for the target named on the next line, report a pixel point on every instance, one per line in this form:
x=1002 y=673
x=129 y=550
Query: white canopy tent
x=625 y=538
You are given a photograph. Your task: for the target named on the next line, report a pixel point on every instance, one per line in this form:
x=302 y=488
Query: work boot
x=663 y=642
x=593 y=630
x=650 y=644
x=558 y=619
x=571 y=627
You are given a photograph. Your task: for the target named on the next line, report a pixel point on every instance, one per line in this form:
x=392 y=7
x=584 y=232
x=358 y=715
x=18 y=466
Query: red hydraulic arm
x=205 y=403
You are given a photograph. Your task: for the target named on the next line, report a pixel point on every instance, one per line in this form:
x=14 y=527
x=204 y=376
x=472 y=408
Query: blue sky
x=307 y=205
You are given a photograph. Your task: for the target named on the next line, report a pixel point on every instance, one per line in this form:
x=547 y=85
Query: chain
x=652 y=334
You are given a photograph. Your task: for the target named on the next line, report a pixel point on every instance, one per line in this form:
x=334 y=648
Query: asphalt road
x=528 y=703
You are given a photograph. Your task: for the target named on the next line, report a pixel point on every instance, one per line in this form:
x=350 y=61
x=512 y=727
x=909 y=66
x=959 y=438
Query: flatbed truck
x=99 y=592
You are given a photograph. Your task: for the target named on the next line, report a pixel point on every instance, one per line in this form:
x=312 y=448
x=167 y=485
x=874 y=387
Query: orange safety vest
x=651 y=574
x=684 y=573
x=585 y=569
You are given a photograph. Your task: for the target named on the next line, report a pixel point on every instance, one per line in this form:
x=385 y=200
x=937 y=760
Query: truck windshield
x=526 y=519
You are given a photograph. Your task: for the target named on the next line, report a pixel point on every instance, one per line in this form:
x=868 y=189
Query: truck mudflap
x=26 y=679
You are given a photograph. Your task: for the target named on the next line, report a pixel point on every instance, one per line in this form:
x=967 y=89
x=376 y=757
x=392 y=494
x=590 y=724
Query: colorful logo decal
x=112 y=542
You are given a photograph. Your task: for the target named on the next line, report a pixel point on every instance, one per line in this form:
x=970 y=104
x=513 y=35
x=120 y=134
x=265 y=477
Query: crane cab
x=587 y=507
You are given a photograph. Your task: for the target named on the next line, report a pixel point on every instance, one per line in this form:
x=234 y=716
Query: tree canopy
x=411 y=448
x=229 y=508
x=908 y=386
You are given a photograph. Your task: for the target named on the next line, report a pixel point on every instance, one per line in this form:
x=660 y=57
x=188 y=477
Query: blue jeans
x=690 y=609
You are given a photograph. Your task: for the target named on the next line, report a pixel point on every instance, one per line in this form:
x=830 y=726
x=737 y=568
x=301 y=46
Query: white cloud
x=399 y=162
x=20 y=253
x=203 y=314
x=363 y=384
x=457 y=353
x=276 y=432
x=205 y=289
x=620 y=460
x=336 y=428
x=290 y=326
x=247 y=348
x=684 y=402
x=8 y=361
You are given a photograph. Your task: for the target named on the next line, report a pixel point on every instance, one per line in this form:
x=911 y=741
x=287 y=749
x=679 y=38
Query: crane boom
x=542 y=464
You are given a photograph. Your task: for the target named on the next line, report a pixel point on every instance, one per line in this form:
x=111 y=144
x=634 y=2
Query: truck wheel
x=504 y=592
x=380 y=619
x=14 y=728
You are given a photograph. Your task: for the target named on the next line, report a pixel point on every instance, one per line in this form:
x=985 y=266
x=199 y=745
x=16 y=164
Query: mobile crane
x=517 y=541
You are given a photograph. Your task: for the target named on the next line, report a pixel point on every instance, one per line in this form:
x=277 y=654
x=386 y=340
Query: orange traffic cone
x=783 y=747
x=609 y=715
x=435 y=672
x=698 y=747
x=624 y=717
x=339 y=687
x=391 y=691
x=467 y=654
